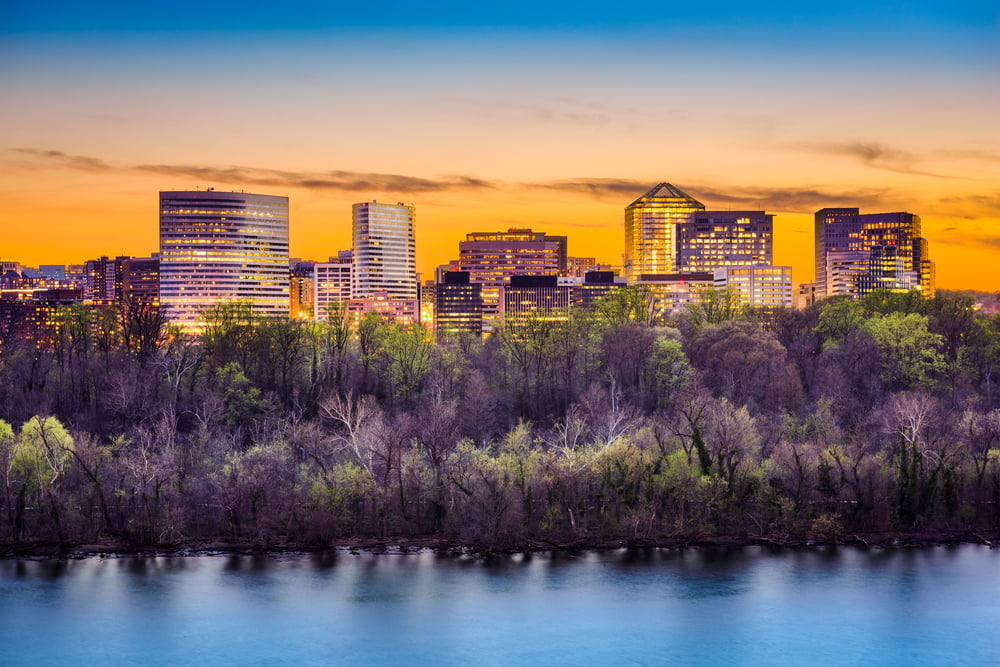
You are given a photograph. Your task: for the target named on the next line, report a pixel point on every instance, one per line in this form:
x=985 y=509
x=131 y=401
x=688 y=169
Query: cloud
x=790 y=200
x=967 y=154
x=873 y=154
x=986 y=204
x=348 y=181
x=328 y=180
x=60 y=158
x=961 y=239
x=601 y=188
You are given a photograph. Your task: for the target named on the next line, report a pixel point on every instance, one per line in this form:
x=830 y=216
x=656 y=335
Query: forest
x=846 y=419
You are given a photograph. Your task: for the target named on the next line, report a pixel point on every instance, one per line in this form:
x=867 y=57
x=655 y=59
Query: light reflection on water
x=706 y=606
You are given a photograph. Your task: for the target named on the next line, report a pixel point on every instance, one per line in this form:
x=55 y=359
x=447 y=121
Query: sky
x=553 y=116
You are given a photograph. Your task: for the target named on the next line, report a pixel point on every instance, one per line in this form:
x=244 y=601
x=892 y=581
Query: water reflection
x=752 y=604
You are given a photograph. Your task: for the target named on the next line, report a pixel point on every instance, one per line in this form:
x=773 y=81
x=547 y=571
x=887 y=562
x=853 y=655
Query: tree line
x=871 y=416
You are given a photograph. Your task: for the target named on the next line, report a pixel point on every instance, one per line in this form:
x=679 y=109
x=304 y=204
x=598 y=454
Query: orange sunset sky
x=488 y=123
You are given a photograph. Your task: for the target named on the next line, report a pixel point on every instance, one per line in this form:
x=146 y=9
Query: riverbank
x=113 y=548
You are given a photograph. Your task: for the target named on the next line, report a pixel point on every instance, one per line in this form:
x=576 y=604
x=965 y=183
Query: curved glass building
x=218 y=247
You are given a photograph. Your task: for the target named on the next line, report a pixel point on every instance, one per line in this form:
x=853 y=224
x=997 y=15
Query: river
x=751 y=605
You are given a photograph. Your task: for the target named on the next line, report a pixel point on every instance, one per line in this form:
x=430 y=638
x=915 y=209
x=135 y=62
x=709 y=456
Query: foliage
x=875 y=415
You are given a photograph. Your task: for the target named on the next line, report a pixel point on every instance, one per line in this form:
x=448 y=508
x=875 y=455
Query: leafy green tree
x=910 y=354
x=839 y=318
x=407 y=354
x=629 y=305
x=884 y=302
x=715 y=306
x=41 y=456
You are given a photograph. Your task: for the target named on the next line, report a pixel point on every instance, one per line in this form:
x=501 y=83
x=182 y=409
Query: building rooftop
x=666 y=191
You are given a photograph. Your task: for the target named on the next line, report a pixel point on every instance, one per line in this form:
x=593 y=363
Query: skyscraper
x=846 y=239
x=222 y=246
x=650 y=230
x=385 y=264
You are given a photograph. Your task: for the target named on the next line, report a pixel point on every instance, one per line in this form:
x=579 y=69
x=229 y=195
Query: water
x=746 y=606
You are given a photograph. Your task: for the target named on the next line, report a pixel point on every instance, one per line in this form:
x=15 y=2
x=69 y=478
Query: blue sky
x=849 y=15
x=784 y=105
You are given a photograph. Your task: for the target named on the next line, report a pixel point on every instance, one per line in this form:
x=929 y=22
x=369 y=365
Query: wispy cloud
x=33 y=156
x=340 y=180
x=985 y=204
x=967 y=239
x=875 y=155
x=791 y=200
x=601 y=188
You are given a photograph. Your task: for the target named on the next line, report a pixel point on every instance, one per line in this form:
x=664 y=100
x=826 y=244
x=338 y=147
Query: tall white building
x=385 y=264
x=220 y=247
x=331 y=283
x=758 y=286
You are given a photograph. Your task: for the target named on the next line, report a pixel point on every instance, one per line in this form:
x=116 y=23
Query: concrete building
x=758 y=286
x=218 y=247
x=331 y=283
x=141 y=280
x=302 y=290
x=402 y=311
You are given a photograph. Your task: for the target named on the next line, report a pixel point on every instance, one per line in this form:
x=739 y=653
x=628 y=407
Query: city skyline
x=546 y=119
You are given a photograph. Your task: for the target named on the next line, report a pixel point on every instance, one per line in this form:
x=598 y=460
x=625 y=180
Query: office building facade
x=535 y=297
x=384 y=246
x=709 y=240
x=331 y=283
x=218 y=247
x=650 y=230
x=491 y=258
x=458 y=305
x=845 y=239
x=758 y=286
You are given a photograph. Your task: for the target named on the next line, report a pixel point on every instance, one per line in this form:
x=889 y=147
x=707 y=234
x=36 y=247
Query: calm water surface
x=745 y=606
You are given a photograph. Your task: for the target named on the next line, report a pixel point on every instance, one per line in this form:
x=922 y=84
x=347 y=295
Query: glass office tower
x=220 y=247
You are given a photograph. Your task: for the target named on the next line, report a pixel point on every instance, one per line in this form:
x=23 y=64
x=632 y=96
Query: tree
x=41 y=455
x=715 y=306
x=633 y=305
x=908 y=352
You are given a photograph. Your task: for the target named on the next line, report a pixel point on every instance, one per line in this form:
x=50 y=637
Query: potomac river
x=751 y=605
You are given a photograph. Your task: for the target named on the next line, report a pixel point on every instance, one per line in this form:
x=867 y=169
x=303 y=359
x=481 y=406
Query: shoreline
x=407 y=545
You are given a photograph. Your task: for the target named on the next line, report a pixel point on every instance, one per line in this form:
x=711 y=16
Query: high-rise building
x=302 y=290
x=535 y=297
x=331 y=283
x=650 y=230
x=844 y=242
x=887 y=272
x=218 y=247
x=709 y=240
x=758 y=286
x=103 y=279
x=384 y=251
x=141 y=280
x=458 y=304
x=491 y=258
x=594 y=287
x=674 y=292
